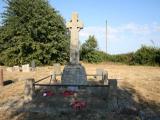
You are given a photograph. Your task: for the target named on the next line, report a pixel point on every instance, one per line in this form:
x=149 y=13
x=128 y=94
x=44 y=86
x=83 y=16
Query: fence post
x=1 y=78
x=105 y=78
x=29 y=90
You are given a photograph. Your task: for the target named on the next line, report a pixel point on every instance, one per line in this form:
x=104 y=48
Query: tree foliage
x=32 y=30
x=146 y=55
x=95 y=57
x=121 y=58
x=90 y=45
x=90 y=52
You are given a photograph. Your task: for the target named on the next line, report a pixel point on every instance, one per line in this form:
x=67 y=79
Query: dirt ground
x=141 y=83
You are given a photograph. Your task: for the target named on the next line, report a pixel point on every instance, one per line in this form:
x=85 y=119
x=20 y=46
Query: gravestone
x=16 y=68
x=33 y=65
x=25 y=68
x=99 y=73
x=57 y=68
x=74 y=72
x=9 y=69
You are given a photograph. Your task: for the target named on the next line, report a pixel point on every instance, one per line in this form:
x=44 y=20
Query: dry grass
x=143 y=81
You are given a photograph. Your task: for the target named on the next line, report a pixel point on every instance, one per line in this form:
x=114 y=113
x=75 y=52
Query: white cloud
x=114 y=32
x=130 y=33
x=94 y=30
x=136 y=29
x=157 y=28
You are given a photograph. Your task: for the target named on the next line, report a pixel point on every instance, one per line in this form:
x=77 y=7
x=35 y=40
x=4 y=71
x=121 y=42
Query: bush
x=122 y=58
x=157 y=57
x=147 y=56
x=95 y=57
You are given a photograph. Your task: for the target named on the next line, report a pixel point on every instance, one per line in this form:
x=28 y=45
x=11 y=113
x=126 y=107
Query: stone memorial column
x=74 y=26
x=74 y=72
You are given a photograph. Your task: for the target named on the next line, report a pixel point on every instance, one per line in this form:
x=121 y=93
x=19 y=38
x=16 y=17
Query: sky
x=130 y=23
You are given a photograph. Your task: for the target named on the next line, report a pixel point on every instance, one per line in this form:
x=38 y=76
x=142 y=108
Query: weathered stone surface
x=74 y=26
x=105 y=79
x=29 y=89
x=26 y=68
x=99 y=73
x=148 y=114
x=16 y=68
x=33 y=65
x=74 y=74
x=9 y=69
x=57 y=68
x=112 y=105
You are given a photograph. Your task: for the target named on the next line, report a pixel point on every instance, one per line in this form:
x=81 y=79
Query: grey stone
x=112 y=95
x=57 y=68
x=105 y=79
x=74 y=74
x=26 y=68
x=148 y=114
x=99 y=73
x=33 y=65
x=74 y=25
x=9 y=69
x=16 y=68
x=29 y=89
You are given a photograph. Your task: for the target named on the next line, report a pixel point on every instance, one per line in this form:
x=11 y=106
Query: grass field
x=142 y=82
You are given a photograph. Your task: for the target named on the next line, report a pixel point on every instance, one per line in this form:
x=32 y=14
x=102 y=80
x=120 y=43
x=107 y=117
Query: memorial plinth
x=74 y=72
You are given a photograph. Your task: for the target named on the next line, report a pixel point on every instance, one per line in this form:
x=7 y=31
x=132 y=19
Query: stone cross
x=74 y=26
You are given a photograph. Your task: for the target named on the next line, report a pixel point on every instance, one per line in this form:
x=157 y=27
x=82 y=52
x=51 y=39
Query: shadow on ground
x=57 y=107
x=8 y=82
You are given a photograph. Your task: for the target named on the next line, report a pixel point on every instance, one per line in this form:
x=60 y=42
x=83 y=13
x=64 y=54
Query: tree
x=89 y=51
x=90 y=44
x=32 y=30
x=147 y=55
